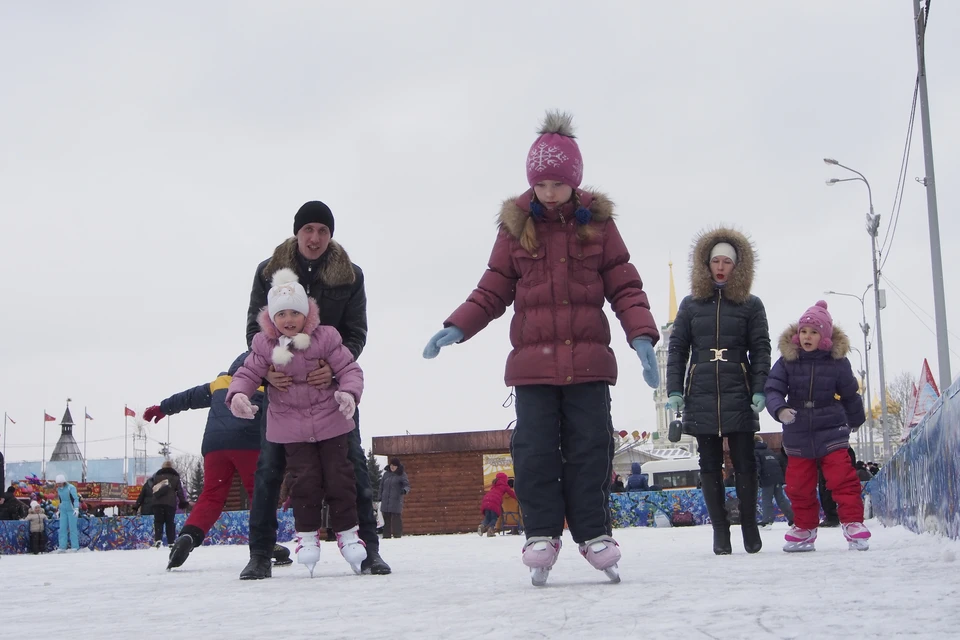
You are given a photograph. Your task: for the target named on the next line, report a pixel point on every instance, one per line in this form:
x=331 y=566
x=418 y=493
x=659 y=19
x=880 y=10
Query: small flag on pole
x=12 y=421
x=48 y=418
x=87 y=415
x=127 y=411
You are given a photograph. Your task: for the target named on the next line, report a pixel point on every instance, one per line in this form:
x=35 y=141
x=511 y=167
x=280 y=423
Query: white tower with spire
x=664 y=416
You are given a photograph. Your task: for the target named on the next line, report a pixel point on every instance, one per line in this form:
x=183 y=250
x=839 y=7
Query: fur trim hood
x=335 y=270
x=790 y=350
x=515 y=211
x=301 y=342
x=738 y=288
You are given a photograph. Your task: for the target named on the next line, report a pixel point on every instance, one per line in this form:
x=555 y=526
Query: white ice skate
x=308 y=550
x=857 y=535
x=353 y=549
x=540 y=554
x=603 y=554
x=798 y=540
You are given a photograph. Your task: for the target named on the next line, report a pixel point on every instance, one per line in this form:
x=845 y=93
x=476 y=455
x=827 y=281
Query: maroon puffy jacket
x=560 y=333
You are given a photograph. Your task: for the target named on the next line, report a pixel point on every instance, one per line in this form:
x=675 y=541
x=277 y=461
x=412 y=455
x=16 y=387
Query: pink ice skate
x=540 y=554
x=603 y=554
x=800 y=539
x=857 y=535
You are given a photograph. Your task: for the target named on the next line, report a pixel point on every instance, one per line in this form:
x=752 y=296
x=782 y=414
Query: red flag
x=11 y=420
x=127 y=411
x=48 y=418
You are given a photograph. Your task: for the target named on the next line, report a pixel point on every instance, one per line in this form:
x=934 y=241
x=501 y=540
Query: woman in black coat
x=717 y=365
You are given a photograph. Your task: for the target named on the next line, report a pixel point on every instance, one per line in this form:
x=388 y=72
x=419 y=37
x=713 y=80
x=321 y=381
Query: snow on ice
x=465 y=586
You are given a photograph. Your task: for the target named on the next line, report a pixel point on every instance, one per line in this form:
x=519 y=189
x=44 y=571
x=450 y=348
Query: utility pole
x=930 y=183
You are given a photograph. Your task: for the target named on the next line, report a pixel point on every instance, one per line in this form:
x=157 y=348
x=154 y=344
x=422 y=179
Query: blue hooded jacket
x=223 y=431
x=637 y=481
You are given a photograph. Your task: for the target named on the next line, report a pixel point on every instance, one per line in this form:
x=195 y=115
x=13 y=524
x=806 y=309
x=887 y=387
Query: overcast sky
x=151 y=156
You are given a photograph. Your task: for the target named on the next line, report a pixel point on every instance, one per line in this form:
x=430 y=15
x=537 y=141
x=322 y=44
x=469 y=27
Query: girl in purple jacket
x=312 y=424
x=812 y=391
x=558 y=258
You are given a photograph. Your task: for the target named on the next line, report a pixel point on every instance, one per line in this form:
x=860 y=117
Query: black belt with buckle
x=805 y=404
x=718 y=355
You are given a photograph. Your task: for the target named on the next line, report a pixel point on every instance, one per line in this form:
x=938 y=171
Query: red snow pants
x=218 y=468
x=841 y=479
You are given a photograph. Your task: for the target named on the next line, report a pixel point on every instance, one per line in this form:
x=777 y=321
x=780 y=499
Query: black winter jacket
x=722 y=334
x=335 y=283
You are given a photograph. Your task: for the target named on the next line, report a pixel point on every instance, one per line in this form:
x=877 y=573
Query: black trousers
x=163 y=518
x=741 y=452
x=38 y=542
x=392 y=525
x=562 y=450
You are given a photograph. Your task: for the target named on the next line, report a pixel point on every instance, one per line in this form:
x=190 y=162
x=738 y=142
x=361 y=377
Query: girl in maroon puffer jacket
x=557 y=258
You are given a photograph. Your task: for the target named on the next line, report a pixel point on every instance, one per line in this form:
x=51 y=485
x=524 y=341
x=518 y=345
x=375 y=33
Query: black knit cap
x=313 y=211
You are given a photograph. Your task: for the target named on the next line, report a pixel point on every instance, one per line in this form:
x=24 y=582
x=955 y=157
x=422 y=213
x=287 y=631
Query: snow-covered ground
x=470 y=587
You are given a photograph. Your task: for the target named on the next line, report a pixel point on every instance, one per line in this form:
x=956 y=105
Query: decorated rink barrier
x=919 y=487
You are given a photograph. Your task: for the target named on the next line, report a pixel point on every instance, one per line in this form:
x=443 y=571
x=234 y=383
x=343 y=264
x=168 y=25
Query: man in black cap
x=336 y=284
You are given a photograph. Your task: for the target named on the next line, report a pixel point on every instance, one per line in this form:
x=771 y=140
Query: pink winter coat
x=301 y=413
x=493 y=499
x=559 y=332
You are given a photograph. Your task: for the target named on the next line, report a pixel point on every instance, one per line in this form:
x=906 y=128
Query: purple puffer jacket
x=810 y=383
x=302 y=413
x=559 y=332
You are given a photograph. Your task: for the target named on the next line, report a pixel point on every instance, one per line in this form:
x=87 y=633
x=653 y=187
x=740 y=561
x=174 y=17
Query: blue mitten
x=675 y=402
x=759 y=402
x=443 y=338
x=651 y=372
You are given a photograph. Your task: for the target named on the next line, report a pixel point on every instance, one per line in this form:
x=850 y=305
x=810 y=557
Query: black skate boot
x=180 y=551
x=281 y=556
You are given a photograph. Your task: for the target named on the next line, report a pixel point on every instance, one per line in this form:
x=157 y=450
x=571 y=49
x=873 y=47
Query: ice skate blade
x=310 y=568
x=539 y=576
x=858 y=545
x=613 y=573
x=798 y=548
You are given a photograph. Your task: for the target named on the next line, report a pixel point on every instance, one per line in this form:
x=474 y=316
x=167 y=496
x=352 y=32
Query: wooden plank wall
x=445 y=492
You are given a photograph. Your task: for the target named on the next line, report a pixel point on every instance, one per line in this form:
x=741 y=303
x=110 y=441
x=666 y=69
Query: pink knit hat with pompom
x=819 y=319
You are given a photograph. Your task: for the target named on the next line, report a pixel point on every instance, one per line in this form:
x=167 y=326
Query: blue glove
x=759 y=402
x=651 y=372
x=443 y=338
x=675 y=402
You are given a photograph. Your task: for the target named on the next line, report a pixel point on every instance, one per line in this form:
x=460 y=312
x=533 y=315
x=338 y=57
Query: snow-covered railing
x=919 y=487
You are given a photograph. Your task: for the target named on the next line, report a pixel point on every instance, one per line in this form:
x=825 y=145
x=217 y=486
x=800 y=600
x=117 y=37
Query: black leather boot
x=257 y=569
x=747 y=494
x=714 y=496
x=374 y=564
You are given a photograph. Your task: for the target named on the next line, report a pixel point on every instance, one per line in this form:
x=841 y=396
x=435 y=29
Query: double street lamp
x=865 y=328
x=873 y=225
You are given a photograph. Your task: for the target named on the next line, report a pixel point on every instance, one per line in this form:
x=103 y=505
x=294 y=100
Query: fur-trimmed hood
x=301 y=342
x=515 y=211
x=738 y=287
x=790 y=349
x=335 y=270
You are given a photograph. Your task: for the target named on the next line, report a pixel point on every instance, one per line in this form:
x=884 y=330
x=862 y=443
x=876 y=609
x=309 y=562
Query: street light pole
x=861 y=433
x=933 y=221
x=865 y=328
x=873 y=226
